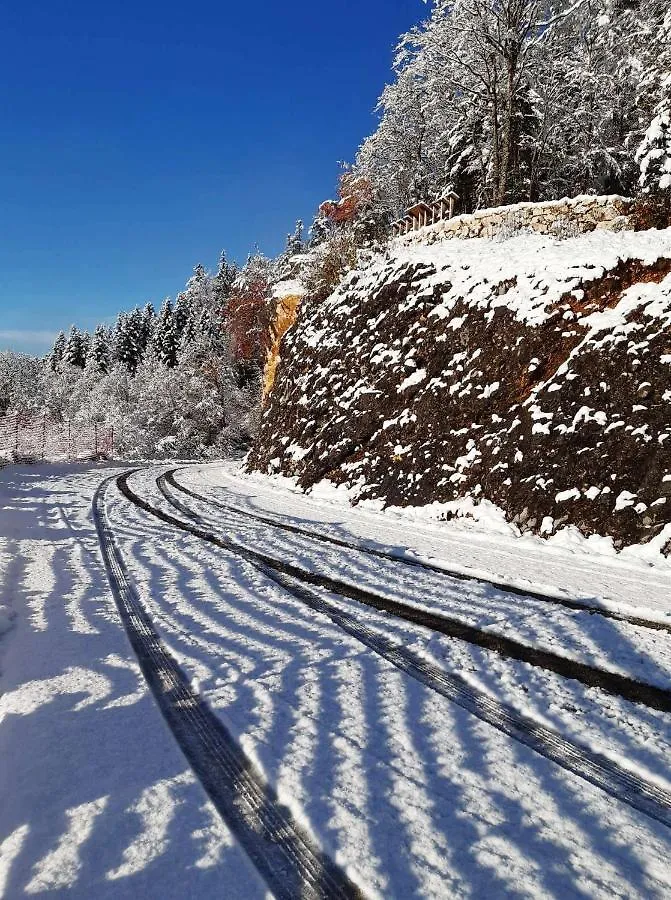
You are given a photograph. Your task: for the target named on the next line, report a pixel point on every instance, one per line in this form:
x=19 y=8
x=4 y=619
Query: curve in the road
x=288 y=859
x=612 y=682
x=567 y=602
x=596 y=768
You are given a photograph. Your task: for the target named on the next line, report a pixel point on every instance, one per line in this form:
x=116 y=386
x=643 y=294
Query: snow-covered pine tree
x=74 y=353
x=101 y=352
x=223 y=281
x=55 y=356
x=182 y=312
x=147 y=329
x=654 y=152
x=294 y=246
x=86 y=346
x=295 y=243
x=320 y=229
x=166 y=336
x=128 y=338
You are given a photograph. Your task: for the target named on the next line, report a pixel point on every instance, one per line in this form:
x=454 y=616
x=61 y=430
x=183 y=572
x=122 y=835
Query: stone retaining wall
x=564 y=218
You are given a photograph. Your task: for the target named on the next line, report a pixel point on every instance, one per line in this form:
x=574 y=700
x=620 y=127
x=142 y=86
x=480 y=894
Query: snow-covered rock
x=518 y=371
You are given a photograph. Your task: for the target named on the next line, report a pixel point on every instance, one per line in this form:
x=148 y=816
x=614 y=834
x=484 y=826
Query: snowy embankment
x=532 y=373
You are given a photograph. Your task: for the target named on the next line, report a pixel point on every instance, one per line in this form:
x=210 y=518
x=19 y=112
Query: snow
x=288 y=288
x=536 y=267
x=414 y=378
x=478 y=539
x=572 y=494
x=6 y=619
x=624 y=499
x=97 y=800
x=410 y=792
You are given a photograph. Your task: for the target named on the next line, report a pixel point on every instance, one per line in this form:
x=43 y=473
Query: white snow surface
x=290 y=287
x=96 y=800
x=532 y=267
x=413 y=795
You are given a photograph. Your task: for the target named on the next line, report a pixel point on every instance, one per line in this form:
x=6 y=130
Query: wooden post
x=44 y=436
x=451 y=206
x=95 y=439
x=69 y=441
x=16 y=435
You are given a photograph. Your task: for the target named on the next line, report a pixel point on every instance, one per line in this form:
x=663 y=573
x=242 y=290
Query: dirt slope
x=532 y=372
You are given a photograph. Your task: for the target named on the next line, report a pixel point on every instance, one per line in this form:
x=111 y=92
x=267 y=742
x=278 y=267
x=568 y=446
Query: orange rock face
x=285 y=316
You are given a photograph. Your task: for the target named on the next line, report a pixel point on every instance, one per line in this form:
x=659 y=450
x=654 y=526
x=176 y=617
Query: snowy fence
x=561 y=218
x=43 y=438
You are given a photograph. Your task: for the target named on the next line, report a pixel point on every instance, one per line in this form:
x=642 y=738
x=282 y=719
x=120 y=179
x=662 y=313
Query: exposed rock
x=443 y=372
x=285 y=316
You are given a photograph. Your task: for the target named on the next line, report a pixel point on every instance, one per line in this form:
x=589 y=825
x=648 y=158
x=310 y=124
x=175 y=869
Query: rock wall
x=532 y=372
x=562 y=218
x=286 y=311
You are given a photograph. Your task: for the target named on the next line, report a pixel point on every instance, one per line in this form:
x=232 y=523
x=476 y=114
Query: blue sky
x=141 y=137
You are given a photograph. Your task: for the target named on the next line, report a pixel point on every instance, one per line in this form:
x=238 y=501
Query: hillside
x=531 y=372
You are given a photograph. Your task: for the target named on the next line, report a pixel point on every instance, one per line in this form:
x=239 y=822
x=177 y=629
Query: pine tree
x=147 y=327
x=100 y=355
x=55 y=356
x=128 y=340
x=74 y=353
x=320 y=230
x=224 y=279
x=86 y=346
x=211 y=321
x=295 y=243
x=654 y=152
x=166 y=336
x=183 y=312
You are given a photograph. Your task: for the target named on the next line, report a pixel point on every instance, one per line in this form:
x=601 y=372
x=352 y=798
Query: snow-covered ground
x=95 y=798
x=407 y=791
x=478 y=541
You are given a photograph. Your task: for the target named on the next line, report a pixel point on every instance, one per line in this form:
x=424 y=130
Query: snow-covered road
x=406 y=792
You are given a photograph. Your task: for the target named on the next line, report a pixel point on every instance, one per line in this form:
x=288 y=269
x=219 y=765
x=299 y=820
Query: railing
x=422 y=214
x=30 y=437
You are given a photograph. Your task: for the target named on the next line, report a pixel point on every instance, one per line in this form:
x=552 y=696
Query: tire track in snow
x=567 y=602
x=287 y=858
x=623 y=686
x=645 y=796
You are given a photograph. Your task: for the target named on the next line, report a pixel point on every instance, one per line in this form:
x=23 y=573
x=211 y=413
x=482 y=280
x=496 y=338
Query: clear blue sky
x=141 y=137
